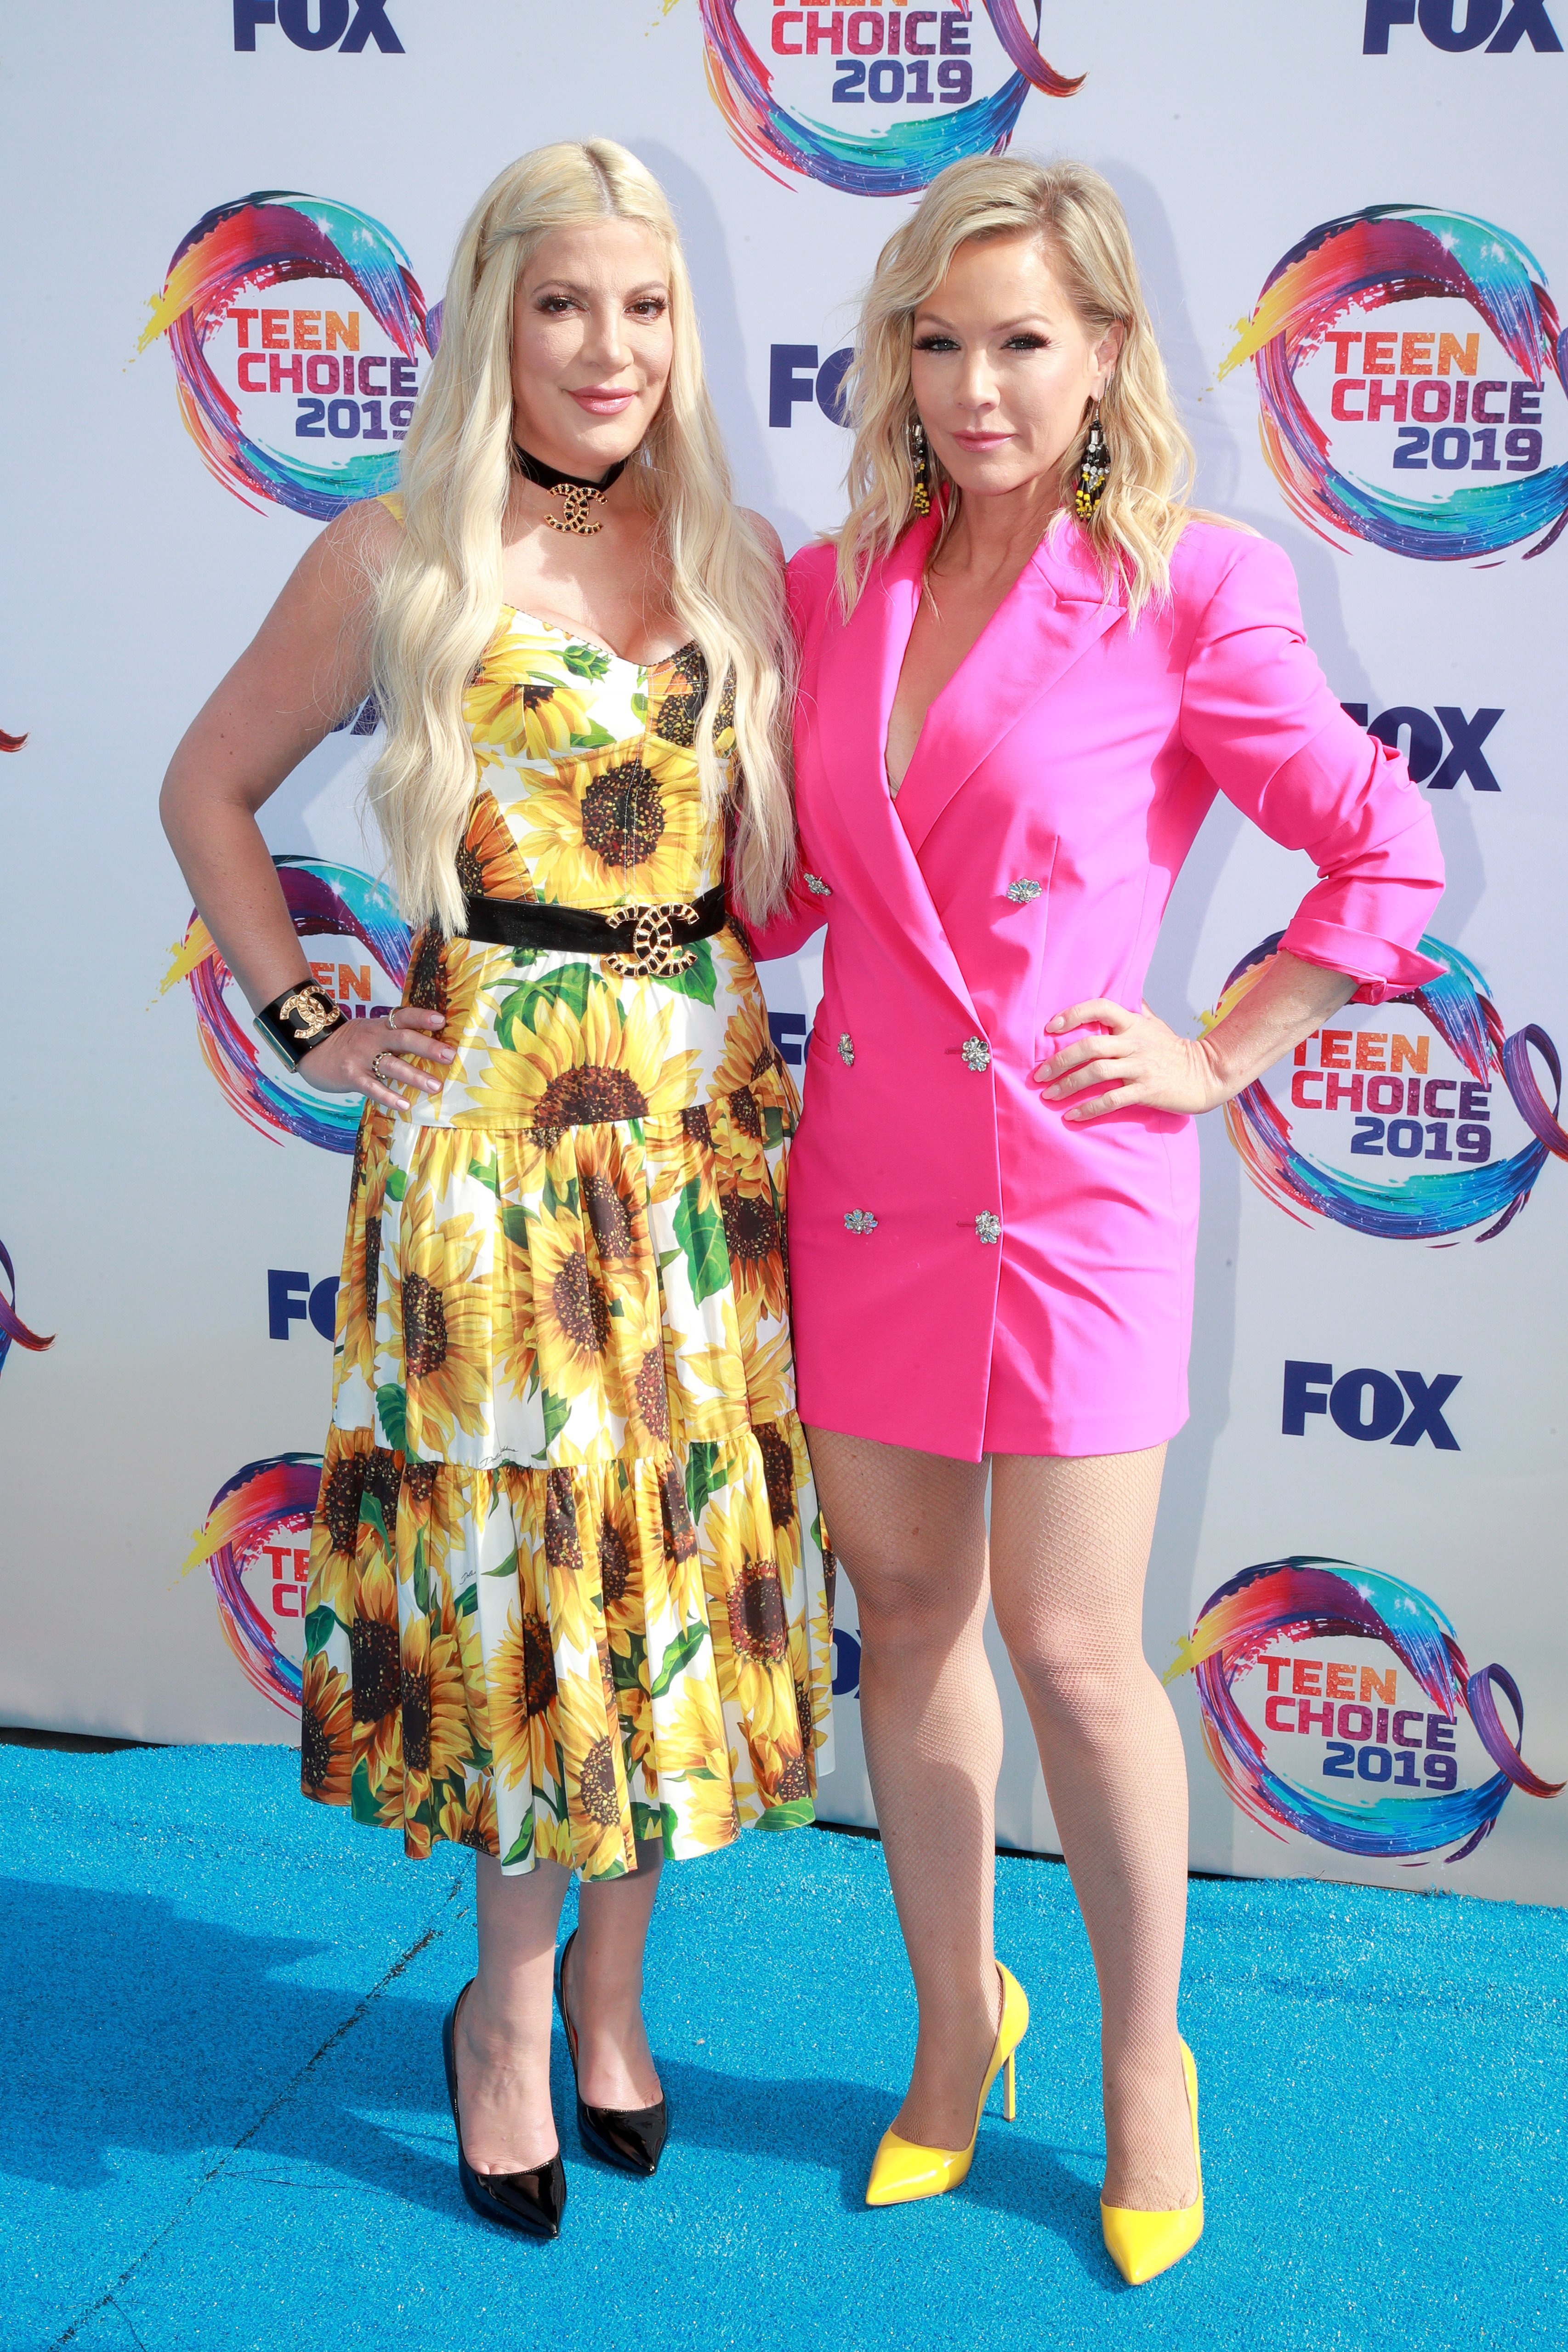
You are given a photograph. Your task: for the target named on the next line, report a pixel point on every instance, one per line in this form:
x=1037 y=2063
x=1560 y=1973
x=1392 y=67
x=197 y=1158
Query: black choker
x=575 y=494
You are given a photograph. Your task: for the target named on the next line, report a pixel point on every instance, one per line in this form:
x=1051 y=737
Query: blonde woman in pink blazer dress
x=1014 y=711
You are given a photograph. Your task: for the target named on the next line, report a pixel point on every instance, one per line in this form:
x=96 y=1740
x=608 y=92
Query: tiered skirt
x=570 y=1589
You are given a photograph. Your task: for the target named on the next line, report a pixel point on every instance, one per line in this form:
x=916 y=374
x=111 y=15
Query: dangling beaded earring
x=920 y=458
x=1092 y=471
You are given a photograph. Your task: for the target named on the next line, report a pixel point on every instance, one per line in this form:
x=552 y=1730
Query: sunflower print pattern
x=569 y=1588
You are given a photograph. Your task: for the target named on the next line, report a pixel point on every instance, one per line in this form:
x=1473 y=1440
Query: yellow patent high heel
x=1142 y=2245
x=902 y=2169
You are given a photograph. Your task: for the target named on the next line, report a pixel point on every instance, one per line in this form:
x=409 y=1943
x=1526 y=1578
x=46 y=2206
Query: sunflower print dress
x=568 y=1585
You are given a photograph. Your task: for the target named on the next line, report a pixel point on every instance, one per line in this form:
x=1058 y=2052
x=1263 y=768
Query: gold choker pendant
x=577 y=501
x=577 y=497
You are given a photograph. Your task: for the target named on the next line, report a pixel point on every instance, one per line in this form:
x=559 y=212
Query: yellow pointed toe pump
x=1142 y=2245
x=903 y=2169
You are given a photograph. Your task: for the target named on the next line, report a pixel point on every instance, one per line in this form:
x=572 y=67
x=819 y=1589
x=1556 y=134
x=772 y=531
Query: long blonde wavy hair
x=439 y=593
x=1079 y=218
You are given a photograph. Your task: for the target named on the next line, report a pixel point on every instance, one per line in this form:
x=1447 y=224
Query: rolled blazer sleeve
x=789 y=928
x=809 y=579
x=1257 y=712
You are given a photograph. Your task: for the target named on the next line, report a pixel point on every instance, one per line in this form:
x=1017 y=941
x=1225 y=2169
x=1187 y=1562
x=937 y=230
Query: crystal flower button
x=847 y=1050
x=859 y=1221
x=976 y=1054
x=821 y=889
x=1021 y=891
x=987 y=1228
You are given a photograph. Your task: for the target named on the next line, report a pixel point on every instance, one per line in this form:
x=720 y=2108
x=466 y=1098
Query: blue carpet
x=223 y=2121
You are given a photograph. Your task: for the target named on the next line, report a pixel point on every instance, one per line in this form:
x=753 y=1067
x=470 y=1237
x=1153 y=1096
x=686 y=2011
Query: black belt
x=634 y=940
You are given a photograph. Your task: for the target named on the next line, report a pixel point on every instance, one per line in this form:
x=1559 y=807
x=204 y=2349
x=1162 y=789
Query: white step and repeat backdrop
x=231 y=215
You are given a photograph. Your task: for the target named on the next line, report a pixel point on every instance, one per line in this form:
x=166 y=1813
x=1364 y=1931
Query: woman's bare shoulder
x=765 y=531
x=370 y=532
x=339 y=570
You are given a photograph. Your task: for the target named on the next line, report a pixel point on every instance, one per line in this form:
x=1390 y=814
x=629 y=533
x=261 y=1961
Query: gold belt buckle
x=655 y=950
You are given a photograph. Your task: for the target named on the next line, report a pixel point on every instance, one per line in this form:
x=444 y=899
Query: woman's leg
x=604 y=1986
x=909 y=1529
x=504 y=2028
x=1070 y=1546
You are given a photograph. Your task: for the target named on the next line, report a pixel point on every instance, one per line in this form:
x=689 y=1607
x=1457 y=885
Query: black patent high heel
x=532 y=2202
x=633 y=2138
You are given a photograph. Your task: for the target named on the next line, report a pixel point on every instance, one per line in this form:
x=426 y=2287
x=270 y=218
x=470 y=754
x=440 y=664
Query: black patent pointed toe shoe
x=531 y=2201
x=632 y=2138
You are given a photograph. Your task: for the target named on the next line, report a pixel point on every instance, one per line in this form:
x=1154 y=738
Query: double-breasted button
x=818 y=888
x=847 y=1050
x=1021 y=891
x=987 y=1228
x=859 y=1221
x=976 y=1054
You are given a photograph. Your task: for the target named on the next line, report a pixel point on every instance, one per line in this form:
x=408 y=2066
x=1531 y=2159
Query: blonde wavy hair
x=1079 y=218
x=439 y=593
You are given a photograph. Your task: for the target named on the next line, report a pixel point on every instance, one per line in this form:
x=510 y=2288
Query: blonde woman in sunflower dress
x=570 y=1598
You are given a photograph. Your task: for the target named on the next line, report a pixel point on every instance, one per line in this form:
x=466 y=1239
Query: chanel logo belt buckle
x=653 y=946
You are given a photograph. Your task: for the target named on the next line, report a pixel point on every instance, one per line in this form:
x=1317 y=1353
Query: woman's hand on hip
x=1137 y=1058
x=375 y=1058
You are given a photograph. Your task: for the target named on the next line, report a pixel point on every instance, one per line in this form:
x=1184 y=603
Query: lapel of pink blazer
x=1056 y=609
x=857 y=678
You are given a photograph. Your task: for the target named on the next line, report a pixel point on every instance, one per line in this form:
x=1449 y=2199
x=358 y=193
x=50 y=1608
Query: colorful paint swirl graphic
x=1298 y=1600
x=894 y=163
x=256 y=242
x=12 y=1328
x=325 y=900
x=274 y=1497
x=1422 y=1206
x=1388 y=254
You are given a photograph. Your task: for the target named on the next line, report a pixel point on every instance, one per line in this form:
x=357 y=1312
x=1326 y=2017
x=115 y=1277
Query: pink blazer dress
x=969 y=1275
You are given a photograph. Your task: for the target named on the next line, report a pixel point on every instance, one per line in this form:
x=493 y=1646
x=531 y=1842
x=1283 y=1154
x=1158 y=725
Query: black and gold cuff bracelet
x=297 y=1020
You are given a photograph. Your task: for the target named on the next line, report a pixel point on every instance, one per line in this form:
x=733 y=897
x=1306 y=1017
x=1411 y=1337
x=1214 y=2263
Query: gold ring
x=376 y=1067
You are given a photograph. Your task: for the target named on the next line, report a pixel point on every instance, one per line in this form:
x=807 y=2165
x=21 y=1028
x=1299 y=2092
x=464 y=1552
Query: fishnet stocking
x=1070 y=1546
x=909 y=1530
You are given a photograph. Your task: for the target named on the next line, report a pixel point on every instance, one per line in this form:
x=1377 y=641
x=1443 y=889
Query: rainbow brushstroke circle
x=260 y=241
x=1387 y=254
x=325 y=900
x=1418 y=1207
x=897 y=161
x=277 y=1495
x=13 y=1330
x=1305 y=1598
